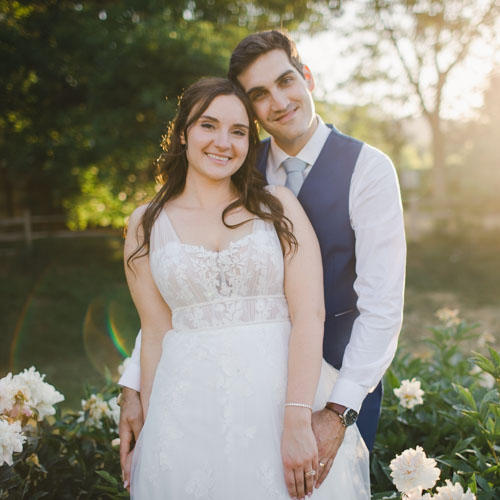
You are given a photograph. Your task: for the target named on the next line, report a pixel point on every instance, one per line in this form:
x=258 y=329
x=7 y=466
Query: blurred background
x=87 y=90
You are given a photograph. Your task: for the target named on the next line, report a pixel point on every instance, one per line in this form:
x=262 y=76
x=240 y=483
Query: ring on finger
x=321 y=464
x=310 y=473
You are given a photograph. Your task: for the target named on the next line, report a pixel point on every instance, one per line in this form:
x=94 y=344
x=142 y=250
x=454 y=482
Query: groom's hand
x=329 y=432
x=131 y=422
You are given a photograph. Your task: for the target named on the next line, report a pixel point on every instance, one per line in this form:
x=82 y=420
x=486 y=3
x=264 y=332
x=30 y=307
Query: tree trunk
x=439 y=184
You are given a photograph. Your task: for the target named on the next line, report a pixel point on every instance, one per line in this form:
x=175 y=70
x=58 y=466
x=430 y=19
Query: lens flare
x=109 y=329
x=120 y=340
x=98 y=344
x=18 y=336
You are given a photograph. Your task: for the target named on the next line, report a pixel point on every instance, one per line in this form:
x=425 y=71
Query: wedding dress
x=215 y=417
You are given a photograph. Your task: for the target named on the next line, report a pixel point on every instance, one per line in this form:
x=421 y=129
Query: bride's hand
x=127 y=470
x=299 y=452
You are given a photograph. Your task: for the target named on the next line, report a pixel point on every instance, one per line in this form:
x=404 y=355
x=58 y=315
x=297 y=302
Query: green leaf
x=463 y=444
x=466 y=396
x=495 y=355
x=493 y=468
x=107 y=489
x=392 y=379
x=39 y=494
x=490 y=426
x=483 y=483
x=455 y=464
x=472 y=484
x=108 y=477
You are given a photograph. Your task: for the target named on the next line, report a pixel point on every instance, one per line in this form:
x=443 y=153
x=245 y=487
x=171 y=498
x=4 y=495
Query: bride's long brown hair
x=172 y=167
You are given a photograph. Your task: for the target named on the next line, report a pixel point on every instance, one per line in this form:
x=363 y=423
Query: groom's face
x=281 y=98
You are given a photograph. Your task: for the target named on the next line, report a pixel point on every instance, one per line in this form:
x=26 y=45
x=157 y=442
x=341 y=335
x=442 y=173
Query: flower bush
x=45 y=453
x=438 y=437
x=445 y=404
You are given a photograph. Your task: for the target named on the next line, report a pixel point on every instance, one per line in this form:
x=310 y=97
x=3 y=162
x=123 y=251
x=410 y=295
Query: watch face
x=350 y=417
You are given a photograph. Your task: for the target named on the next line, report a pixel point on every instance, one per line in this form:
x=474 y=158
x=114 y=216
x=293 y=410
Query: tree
x=476 y=147
x=429 y=40
x=83 y=88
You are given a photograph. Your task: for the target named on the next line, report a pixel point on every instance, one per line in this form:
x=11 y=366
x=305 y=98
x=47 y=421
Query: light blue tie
x=294 y=169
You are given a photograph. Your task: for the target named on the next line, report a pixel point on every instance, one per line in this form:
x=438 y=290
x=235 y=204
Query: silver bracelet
x=300 y=405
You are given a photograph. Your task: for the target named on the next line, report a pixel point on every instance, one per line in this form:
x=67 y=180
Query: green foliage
x=66 y=459
x=459 y=422
x=85 y=86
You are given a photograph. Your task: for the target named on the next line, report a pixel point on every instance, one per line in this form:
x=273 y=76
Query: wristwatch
x=347 y=416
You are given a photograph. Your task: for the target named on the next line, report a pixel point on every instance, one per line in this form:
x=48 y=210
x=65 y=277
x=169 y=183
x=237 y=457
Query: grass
x=458 y=270
x=65 y=306
x=56 y=305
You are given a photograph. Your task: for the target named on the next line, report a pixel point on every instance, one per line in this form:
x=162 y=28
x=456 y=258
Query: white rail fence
x=28 y=228
x=420 y=219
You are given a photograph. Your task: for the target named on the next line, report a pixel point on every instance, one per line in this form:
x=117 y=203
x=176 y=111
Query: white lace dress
x=215 y=418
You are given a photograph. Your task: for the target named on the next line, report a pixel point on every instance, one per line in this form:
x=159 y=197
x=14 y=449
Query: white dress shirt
x=376 y=216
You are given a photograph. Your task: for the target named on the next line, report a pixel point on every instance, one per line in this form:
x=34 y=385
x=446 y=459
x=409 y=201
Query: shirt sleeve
x=132 y=375
x=377 y=220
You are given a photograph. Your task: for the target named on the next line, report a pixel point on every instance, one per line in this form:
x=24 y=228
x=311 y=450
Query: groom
x=350 y=192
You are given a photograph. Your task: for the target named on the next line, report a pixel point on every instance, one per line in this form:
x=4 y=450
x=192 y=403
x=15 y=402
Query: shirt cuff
x=348 y=393
x=131 y=377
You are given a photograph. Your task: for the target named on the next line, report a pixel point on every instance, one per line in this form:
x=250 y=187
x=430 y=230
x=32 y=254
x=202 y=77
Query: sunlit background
x=89 y=89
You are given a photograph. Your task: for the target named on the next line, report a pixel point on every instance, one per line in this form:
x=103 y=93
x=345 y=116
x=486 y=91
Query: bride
x=226 y=276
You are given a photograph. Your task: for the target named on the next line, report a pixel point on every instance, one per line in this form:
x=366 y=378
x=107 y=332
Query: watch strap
x=347 y=416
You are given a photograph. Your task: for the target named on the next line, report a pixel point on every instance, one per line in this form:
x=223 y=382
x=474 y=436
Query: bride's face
x=217 y=143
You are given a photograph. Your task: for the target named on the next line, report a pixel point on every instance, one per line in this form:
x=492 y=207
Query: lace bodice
x=207 y=289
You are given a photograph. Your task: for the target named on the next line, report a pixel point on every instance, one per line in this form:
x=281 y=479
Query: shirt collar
x=309 y=153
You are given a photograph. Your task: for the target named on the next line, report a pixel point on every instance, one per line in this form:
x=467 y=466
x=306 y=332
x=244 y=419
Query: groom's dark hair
x=257 y=44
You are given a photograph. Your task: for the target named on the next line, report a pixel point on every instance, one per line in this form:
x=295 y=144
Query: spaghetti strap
x=162 y=232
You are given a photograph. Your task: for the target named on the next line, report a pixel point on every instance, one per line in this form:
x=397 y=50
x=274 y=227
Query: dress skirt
x=214 y=424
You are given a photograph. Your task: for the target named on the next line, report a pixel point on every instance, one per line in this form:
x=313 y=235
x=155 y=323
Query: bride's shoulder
x=133 y=224
x=136 y=216
x=287 y=198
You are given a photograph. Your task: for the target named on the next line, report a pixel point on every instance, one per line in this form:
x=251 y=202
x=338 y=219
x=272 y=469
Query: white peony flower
x=115 y=443
x=41 y=396
x=485 y=338
x=485 y=379
x=28 y=390
x=97 y=408
x=114 y=412
x=14 y=396
x=417 y=495
x=453 y=492
x=123 y=366
x=11 y=440
x=8 y=392
x=413 y=472
x=409 y=393
x=448 y=316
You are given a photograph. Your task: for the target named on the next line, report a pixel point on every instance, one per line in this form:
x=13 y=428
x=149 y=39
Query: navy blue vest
x=325 y=198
